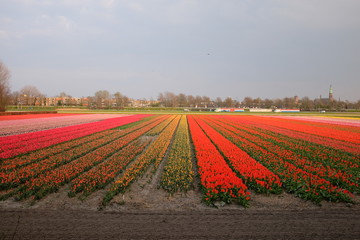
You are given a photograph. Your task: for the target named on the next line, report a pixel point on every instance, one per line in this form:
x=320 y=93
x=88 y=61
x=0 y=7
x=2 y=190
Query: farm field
x=180 y=163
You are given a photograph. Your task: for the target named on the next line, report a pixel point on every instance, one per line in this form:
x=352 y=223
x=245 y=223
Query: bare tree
x=191 y=100
x=229 y=102
x=4 y=87
x=182 y=100
x=218 y=102
x=102 y=99
x=30 y=95
x=14 y=98
x=120 y=100
x=307 y=104
x=248 y=102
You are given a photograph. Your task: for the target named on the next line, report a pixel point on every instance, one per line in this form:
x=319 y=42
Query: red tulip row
x=178 y=173
x=99 y=176
x=10 y=140
x=218 y=181
x=320 y=129
x=152 y=155
x=35 y=156
x=326 y=167
x=252 y=172
x=296 y=180
x=50 y=181
x=20 y=144
x=322 y=154
x=329 y=156
x=13 y=178
x=297 y=134
x=11 y=164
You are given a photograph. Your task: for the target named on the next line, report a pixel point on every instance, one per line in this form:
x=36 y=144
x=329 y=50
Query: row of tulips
x=338 y=123
x=315 y=128
x=152 y=155
x=325 y=155
x=255 y=175
x=101 y=175
x=23 y=143
x=295 y=180
x=326 y=167
x=295 y=133
x=94 y=123
x=218 y=181
x=53 y=178
x=328 y=156
x=178 y=173
x=11 y=164
x=12 y=178
x=32 y=116
x=159 y=128
x=8 y=128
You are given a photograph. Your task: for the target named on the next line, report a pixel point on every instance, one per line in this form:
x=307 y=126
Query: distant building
x=260 y=110
x=296 y=100
x=286 y=110
x=326 y=101
x=229 y=110
x=331 y=97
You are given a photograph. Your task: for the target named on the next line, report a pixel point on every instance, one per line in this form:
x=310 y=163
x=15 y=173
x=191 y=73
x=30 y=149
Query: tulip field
x=225 y=158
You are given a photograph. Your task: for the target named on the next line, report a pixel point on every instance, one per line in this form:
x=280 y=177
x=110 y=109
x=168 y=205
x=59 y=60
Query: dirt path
x=220 y=224
x=151 y=213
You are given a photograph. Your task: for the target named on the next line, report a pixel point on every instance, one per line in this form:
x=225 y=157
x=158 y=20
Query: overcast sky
x=217 y=48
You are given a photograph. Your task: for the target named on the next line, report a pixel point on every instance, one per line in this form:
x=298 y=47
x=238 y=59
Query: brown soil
x=147 y=212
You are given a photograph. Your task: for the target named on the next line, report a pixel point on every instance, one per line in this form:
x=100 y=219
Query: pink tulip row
x=50 y=181
x=15 y=127
x=23 y=143
x=328 y=120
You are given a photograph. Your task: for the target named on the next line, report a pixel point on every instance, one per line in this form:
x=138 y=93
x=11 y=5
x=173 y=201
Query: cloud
x=3 y=34
x=108 y=3
x=137 y=7
x=66 y=24
x=327 y=14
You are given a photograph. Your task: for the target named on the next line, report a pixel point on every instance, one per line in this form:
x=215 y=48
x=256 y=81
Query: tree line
x=169 y=99
x=103 y=99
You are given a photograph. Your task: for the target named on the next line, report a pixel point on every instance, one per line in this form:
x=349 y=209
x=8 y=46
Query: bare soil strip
x=213 y=224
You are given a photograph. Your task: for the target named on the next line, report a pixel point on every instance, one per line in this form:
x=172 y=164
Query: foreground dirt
x=152 y=214
x=147 y=212
x=223 y=224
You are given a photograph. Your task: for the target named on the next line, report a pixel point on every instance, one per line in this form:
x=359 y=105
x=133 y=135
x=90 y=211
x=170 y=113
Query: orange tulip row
x=336 y=166
x=159 y=128
x=63 y=170
x=152 y=155
x=295 y=179
x=252 y=172
x=99 y=176
x=219 y=182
